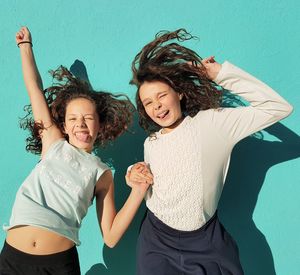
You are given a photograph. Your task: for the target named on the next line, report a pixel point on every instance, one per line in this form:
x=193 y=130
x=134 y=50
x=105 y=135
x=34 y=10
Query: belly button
x=34 y=244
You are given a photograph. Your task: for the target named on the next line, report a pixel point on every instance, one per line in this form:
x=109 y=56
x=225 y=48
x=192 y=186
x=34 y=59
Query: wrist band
x=23 y=42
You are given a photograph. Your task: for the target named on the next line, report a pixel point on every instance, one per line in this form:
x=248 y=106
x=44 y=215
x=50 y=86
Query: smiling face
x=162 y=104
x=81 y=123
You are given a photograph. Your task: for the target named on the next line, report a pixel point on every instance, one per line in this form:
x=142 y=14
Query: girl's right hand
x=139 y=174
x=23 y=35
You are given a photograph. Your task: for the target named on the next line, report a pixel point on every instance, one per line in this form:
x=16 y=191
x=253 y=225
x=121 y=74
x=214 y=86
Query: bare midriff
x=37 y=241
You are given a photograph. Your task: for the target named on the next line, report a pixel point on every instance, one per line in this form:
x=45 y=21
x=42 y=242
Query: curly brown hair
x=180 y=68
x=115 y=115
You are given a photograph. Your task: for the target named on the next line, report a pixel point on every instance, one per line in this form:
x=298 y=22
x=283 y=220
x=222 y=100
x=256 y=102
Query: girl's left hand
x=23 y=35
x=212 y=67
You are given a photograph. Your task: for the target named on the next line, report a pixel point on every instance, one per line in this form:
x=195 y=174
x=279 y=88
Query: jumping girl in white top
x=188 y=151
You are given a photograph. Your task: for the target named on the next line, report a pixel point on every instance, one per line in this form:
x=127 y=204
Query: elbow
x=110 y=243
x=288 y=110
x=283 y=111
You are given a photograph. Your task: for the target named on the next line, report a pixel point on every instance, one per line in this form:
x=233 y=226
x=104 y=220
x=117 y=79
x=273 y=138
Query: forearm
x=34 y=85
x=31 y=74
x=258 y=94
x=123 y=218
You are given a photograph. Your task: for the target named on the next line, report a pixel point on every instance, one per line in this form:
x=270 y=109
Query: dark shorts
x=162 y=250
x=16 y=262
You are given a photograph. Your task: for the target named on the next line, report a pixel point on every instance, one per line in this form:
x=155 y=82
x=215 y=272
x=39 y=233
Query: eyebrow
x=83 y=115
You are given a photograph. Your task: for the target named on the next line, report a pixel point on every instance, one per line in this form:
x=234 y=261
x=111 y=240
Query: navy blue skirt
x=162 y=250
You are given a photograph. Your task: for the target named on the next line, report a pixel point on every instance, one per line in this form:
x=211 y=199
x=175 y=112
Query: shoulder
x=204 y=116
x=152 y=137
x=212 y=120
x=100 y=164
x=56 y=147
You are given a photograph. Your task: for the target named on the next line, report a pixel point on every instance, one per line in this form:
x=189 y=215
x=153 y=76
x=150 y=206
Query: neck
x=172 y=127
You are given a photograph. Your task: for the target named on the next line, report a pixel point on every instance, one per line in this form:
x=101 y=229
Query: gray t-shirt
x=57 y=193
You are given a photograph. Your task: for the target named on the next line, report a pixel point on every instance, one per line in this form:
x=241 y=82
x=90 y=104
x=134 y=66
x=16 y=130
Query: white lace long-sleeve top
x=190 y=163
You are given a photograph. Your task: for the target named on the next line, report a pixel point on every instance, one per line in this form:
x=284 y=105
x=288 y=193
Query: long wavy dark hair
x=115 y=115
x=181 y=68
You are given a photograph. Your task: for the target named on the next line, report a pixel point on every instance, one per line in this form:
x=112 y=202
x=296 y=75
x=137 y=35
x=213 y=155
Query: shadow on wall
x=244 y=181
x=121 y=259
x=242 y=184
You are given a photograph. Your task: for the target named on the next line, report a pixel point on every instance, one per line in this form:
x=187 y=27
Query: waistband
x=18 y=256
x=156 y=222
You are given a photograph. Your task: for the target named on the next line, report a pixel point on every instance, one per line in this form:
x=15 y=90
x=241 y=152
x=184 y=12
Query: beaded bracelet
x=23 y=42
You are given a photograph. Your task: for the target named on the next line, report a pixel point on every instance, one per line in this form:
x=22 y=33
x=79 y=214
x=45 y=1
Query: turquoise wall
x=260 y=204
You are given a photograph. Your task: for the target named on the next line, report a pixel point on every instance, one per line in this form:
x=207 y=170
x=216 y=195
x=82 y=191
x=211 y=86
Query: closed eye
x=147 y=103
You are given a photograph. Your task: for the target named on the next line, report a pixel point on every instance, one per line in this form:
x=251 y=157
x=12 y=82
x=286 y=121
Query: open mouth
x=82 y=136
x=162 y=115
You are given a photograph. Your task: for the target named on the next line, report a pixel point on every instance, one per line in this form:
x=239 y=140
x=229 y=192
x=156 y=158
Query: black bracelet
x=23 y=42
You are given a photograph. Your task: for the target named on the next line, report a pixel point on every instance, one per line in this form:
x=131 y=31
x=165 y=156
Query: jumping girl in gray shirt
x=69 y=121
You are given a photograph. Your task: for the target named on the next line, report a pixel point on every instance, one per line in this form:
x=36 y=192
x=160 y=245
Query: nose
x=157 y=105
x=81 y=123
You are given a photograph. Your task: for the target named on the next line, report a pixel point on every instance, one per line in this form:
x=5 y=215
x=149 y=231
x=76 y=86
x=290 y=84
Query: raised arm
x=266 y=106
x=34 y=86
x=113 y=225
